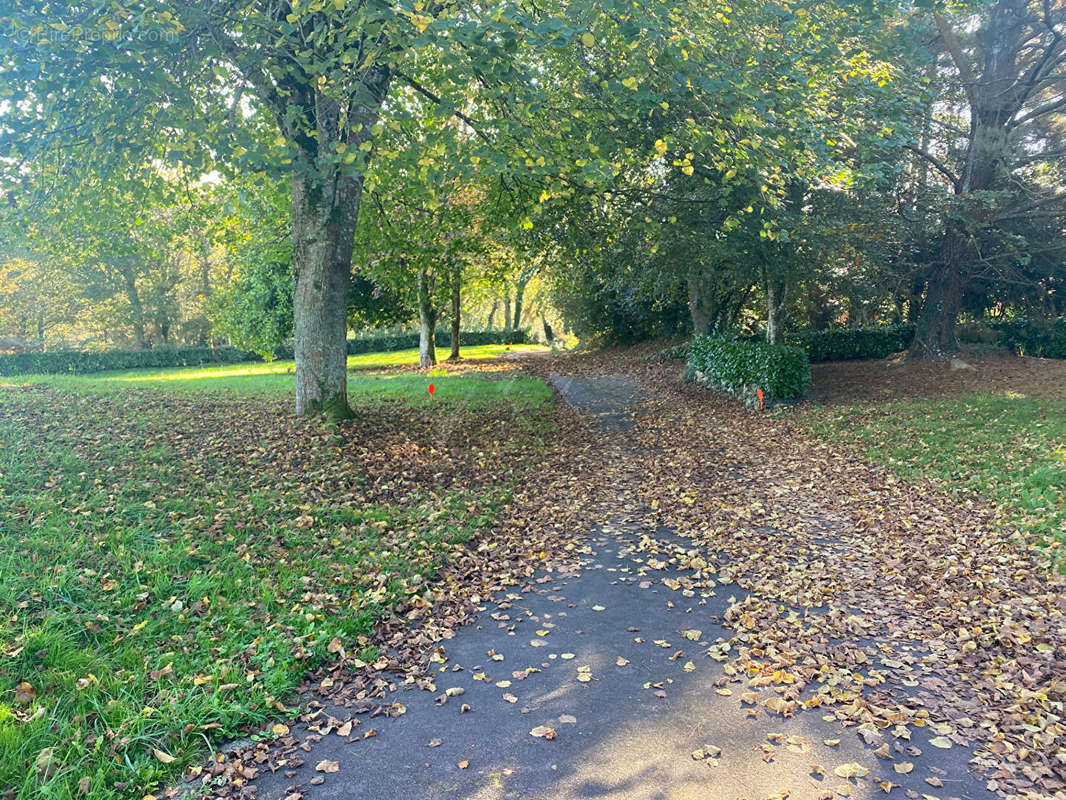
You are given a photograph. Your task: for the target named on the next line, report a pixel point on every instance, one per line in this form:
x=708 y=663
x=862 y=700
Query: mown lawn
x=373 y=383
x=276 y=377
x=1007 y=448
x=171 y=563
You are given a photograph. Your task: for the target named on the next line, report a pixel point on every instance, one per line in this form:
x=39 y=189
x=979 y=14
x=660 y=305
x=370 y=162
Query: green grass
x=1008 y=449
x=172 y=563
x=276 y=378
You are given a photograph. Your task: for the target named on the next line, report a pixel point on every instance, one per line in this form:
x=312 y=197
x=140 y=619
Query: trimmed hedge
x=78 y=363
x=848 y=344
x=740 y=369
x=75 y=362
x=387 y=342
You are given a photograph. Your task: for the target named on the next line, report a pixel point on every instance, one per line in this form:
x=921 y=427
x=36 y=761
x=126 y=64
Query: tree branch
x=435 y=98
x=939 y=165
x=951 y=42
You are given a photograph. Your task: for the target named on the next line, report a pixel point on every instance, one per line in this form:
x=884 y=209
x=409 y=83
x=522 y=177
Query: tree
x=996 y=148
x=121 y=241
x=34 y=300
x=715 y=132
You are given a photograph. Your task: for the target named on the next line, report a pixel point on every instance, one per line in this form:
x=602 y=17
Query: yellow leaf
x=851 y=770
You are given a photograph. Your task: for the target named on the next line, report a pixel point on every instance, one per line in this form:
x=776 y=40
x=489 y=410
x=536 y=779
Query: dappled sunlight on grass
x=277 y=378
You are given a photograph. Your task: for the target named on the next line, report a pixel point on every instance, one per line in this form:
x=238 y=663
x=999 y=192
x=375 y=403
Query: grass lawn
x=171 y=563
x=1007 y=448
x=276 y=377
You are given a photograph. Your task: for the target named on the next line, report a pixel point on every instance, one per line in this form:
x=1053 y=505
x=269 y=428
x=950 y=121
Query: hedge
x=1040 y=338
x=740 y=369
x=387 y=342
x=849 y=344
x=77 y=362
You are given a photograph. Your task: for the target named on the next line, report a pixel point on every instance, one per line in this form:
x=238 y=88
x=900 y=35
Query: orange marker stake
x=432 y=389
x=758 y=393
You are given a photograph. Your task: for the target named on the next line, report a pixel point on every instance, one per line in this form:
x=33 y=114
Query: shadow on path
x=613 y=659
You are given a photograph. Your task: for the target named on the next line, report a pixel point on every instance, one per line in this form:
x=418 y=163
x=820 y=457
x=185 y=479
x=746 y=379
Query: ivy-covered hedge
x=847 y=344
x=77 y=362
x=740 y=369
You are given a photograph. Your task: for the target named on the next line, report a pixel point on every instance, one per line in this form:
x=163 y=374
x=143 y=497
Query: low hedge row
x=387 y=342
x=740 y=369
x=1040 y=338
x=850 y=344
x=77 y=363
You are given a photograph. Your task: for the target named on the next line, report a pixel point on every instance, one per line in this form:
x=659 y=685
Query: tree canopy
x=259 y=171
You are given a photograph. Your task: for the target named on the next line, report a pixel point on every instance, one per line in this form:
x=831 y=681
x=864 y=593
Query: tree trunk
x=325 y=209
x=519 y=292
x=323 y=231
x=457 y=276
x=136 y=307
x=549 y=334
x=698 y=308
x=427 y=321
x=712 y=309
x=935 y=333
x=492 y=314
x=507 y=310
x=776 y=313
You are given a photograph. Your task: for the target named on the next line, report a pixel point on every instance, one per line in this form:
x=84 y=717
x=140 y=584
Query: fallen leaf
x=851 y=770
x=24 y=693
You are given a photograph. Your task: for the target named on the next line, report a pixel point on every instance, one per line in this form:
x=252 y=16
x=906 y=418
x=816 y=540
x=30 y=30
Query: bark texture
x=776 y=309
x=325 y=209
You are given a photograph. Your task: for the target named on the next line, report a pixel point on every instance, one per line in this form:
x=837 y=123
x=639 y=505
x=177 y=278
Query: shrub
x=740 y=369
x=79 y=362
x=1043 y=338
x=846 y=345
x=676 y=352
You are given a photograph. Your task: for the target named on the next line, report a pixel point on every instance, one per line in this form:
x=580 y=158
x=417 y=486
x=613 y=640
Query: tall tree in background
x=997 y=145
